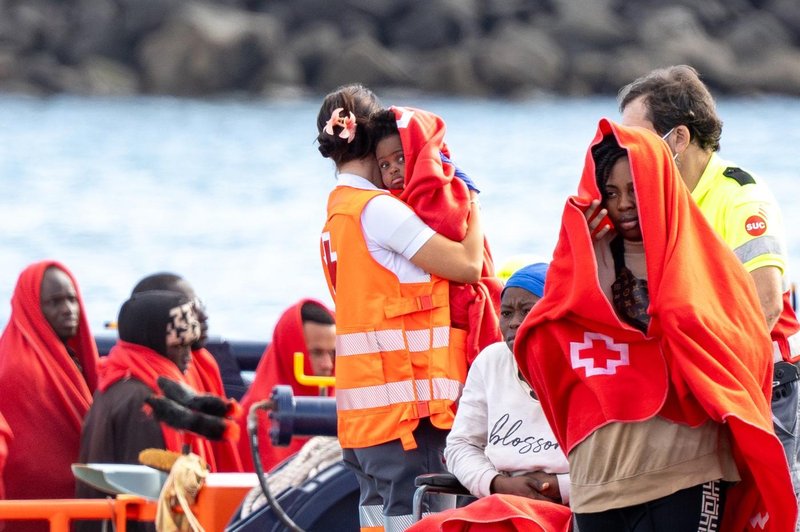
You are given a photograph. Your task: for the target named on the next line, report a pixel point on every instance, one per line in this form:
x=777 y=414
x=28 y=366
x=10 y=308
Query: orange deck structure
x=216 y=503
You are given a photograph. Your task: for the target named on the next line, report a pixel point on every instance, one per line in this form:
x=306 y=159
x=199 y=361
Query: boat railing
x=60 y=513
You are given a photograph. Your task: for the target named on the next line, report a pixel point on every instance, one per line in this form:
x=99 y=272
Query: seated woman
x=501 y=442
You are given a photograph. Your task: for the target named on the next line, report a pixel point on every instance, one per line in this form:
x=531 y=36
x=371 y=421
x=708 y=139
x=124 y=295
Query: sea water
x=231 y=194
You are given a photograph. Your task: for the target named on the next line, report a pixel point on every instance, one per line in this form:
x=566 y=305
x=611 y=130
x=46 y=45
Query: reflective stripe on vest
x=361 y=343
x=397 y=393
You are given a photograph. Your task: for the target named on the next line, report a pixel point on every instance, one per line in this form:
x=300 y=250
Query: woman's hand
x=534 y=485
x=597 y=220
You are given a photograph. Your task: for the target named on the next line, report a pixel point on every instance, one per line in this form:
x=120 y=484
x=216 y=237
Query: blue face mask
x=664 y=137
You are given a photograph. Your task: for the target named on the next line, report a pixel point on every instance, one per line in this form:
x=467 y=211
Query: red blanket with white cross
x=706 y=354
x=442 y=201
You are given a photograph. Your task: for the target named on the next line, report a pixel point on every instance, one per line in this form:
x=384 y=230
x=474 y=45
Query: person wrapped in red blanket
x=415 y=166
x=306 y=327
x=656 y=377
x=156 y=331
x=48 y=372
x=202 y=373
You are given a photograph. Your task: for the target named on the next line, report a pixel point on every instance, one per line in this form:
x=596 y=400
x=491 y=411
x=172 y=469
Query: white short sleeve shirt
x=392 y=231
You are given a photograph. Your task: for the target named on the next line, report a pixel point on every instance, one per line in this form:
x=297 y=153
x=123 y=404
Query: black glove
x=205 y=403
x=179 y=417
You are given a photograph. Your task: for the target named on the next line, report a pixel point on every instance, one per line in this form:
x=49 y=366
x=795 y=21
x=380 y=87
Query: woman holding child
x=400 y=365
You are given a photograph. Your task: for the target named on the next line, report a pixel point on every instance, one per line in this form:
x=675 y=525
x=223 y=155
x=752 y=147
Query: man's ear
x=683 y=137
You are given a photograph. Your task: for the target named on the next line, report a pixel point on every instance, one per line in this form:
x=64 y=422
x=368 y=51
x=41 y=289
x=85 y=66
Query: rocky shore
x=498 y=48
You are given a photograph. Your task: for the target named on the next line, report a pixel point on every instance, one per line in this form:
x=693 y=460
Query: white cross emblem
x=405 y=118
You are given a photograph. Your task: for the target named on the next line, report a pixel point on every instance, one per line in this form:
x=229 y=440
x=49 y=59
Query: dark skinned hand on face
x=597 y=220
x=535 y=485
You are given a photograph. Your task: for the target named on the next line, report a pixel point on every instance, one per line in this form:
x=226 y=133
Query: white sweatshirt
x=500 y=429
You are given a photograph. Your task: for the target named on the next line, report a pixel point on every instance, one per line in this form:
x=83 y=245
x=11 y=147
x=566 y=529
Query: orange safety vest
x=397 y=358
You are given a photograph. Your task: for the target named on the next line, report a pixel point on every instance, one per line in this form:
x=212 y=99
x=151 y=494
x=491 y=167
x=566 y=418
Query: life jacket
x=397 y=357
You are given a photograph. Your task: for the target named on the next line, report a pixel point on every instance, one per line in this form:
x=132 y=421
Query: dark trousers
x=694 y=509
x=386 y=474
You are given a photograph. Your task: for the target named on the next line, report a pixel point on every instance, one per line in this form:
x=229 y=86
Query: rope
x=181 y=488
x=317 y=454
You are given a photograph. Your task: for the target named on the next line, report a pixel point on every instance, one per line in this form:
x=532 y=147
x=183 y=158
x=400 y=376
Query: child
x=440 y=195
x=389 y=151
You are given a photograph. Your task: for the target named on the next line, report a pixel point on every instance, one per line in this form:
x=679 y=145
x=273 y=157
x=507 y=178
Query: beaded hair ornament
x=347 y=123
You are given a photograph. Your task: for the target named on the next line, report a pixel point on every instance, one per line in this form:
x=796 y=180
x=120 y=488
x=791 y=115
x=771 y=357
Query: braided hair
x=605 y=154
x=360 y=101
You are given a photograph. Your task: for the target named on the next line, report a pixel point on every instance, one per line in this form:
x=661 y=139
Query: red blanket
x=442 y=202
x=142 y=363
x=497 y=513
x=203 y=375
x=5 y=439
x=44 y=395
x=706 y=355
x=277 y=367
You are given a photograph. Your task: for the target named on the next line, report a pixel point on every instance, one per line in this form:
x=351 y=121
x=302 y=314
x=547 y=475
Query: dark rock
x=9 y=67
x=756 y=36
x=366 y=61
x=433 y=24
x=626 y=64
x=33 y=25
x=516 y=58
x=53 y=77
x=106 y=77
x=781 y=74
x=673 y=35
x=95 y=28
x=450 y=71
x=206 y=49
x=351 y=17
x=516 y=10
x=140 y=17
x=315 y=47
x=21 y=86
x=281 y=69
x=465 y=47
x=788 y=13
x=589 y=71
x=588 y=25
